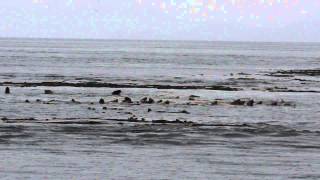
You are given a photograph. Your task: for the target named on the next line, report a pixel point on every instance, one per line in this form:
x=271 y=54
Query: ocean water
x=205 y=136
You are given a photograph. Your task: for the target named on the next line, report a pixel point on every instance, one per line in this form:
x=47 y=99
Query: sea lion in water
x=117 y=92
x=101 y=101
x=238 y=102
x=127 y=100
x=147 y=100
x=48 y=92
x=7 y=91
x=250 y=103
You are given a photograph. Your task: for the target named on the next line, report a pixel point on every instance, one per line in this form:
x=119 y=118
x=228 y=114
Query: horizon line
x=169 y=40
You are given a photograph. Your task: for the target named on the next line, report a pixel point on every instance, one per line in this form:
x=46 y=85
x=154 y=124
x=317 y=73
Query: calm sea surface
x=199 y=133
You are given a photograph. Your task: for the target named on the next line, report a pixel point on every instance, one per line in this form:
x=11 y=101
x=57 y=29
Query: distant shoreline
x=158 y=40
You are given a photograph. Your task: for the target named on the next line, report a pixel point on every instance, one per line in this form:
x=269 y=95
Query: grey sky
x=156 y=19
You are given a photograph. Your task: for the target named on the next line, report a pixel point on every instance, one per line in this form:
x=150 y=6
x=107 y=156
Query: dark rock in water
x=193 y=97
x=299 y=72
x=147 y=100
x=274 y=103
x=284 y=103
x=104 y=108
x=289 y=104
x=150 y=101
x=245 y=74
x=115 y=101
x=112 y=85
x=27 y=101
x=7 y=91
x=48 y=92
x=4 y=119
x=160 y=101
x=260 y=102
x=133 y=119
x=184 y=112
x=214 y=103
x=144 y=100
x=101 y=101
x=117 y=92
x=270 y=89
x=167 y=102
x=90 y=108
x=177 y=121
x=38 y=100
x=161 y=121
x=74 y=101
x=127 y=100
x=238 y=102
x=149 y=110
x=250 y=103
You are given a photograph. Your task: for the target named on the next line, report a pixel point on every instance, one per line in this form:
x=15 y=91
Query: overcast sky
x=228 y=20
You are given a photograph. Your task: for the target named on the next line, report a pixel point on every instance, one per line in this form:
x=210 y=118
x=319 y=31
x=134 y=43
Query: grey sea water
x=199 y=134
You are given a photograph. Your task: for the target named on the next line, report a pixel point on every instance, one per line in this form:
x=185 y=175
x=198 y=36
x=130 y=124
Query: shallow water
x=190 y=138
